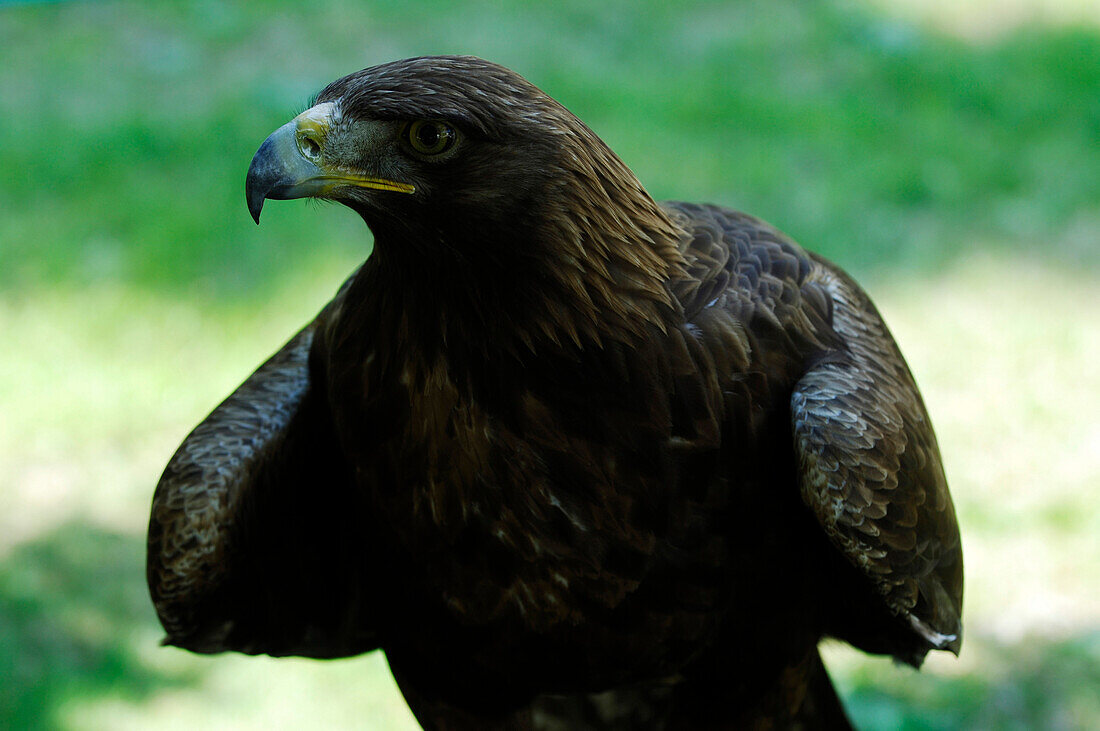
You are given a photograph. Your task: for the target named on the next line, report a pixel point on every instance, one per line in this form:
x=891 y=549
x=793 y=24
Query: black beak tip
x=255 y=195
x=264 y=173
x=254 y=208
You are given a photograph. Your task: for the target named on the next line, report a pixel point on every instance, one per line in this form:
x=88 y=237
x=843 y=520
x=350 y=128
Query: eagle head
x=462 y=167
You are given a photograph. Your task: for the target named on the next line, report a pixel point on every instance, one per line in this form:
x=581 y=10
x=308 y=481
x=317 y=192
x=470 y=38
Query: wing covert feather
x=794 y=326
x=871 y=472
x=253 y=523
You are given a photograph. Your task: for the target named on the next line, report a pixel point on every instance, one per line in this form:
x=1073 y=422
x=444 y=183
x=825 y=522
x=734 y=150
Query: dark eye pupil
x=428 y=135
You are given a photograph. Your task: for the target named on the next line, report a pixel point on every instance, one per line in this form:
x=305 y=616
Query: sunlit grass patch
x=103 y=382
x=988 y=19
x=257 y=693
x=1003 y=351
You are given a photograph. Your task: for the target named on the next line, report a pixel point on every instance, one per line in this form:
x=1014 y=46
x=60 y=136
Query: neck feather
x=588 y=264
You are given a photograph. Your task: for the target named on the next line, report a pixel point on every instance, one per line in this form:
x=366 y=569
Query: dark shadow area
x=70 y=604
x=1037 y=683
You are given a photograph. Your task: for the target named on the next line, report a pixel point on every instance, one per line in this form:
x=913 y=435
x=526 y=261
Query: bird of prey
x=572 y=458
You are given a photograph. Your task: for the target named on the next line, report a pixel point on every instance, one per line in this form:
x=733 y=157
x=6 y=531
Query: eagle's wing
x=250 y=537
x=870 y=469
x=867 y=461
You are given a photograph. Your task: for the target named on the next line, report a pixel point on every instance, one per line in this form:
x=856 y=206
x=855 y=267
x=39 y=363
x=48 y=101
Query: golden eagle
x=566 y=454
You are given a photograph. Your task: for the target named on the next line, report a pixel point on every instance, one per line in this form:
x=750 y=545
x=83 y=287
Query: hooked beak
x=290 y=164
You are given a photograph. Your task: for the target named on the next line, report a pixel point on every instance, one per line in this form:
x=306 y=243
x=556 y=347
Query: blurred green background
x=947 y=153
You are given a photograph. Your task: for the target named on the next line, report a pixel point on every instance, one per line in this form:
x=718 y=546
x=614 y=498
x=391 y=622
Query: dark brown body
x=675 y=510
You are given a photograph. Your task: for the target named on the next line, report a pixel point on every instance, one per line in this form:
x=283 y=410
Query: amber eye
x=430 y=138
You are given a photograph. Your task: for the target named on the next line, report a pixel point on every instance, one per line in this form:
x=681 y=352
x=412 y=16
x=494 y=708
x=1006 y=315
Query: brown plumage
x=567 y=455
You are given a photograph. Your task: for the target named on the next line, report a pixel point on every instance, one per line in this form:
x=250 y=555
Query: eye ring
x=430 y=137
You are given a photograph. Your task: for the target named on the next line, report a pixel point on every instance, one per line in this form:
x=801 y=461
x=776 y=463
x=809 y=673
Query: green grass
x=959 y=178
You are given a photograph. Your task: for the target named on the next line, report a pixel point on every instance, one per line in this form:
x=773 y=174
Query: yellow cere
x=312 y=128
